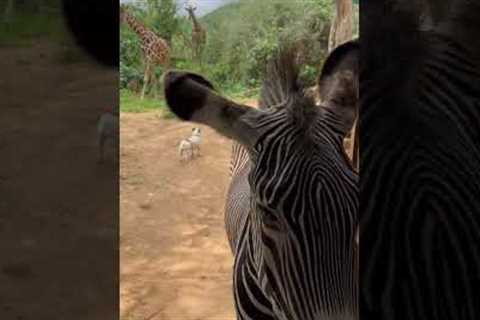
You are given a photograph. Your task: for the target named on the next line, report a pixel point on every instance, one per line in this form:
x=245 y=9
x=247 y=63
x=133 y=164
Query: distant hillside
x=241 y=38
x=221 y=14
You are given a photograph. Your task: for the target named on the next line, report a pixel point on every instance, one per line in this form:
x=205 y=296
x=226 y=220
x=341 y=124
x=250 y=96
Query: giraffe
x=155 y=49
x=199 y=34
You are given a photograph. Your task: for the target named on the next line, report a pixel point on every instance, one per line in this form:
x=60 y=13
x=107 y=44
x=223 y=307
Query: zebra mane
x=281 y=79
x=282 y=87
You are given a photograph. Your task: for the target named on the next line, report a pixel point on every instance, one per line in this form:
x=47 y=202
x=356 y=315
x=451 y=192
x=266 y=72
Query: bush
x=241 y=38
x=129 y=74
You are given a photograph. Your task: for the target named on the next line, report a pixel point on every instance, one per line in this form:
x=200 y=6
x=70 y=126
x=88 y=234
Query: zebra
x=238 y=194
x=420 y=161
x=294 y=235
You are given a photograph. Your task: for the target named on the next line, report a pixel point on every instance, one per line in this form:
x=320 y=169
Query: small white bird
x=187 y=147
x=108 y=130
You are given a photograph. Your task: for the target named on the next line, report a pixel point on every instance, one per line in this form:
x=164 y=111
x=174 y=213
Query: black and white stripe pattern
x=420 y=164
x=292 y=211
x=238 y=195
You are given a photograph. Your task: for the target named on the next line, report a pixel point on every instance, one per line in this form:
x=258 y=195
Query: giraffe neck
x=138 y=27
x=155 y=49
x=196 y=24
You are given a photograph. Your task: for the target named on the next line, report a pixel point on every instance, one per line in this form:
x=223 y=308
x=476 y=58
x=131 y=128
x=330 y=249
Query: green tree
x=242 y=42
x=241 y=38
x=161 y=15
x=131 y=66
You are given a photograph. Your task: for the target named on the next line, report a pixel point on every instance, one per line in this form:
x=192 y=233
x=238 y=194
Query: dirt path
x=55 y=201
x=175 y=260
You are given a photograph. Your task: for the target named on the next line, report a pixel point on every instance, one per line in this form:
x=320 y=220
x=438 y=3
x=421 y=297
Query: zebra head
x=304 y=195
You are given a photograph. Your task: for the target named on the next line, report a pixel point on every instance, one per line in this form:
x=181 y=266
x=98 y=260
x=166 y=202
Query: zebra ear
x=338 y=82
x=192 y=98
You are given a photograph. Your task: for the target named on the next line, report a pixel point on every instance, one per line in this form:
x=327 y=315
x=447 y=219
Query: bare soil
x=56 y=203
x=175 y=259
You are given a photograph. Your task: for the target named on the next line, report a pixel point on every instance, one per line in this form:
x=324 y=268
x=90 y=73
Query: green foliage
x=161 y=16
x=240 y=92
x=131 y=66
x=241 y=38
x=129 y=74
x=309 y=74
x=130 y=52
x=130 y=102
x=25 y=23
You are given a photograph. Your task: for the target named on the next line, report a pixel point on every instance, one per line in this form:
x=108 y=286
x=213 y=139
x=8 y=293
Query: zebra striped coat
x=420 y=185
x=292 y=209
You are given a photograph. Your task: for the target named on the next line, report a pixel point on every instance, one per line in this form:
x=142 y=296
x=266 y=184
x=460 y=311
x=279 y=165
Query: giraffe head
x=190 y=8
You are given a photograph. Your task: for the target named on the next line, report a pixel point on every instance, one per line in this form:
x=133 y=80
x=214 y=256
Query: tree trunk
x=341 y=29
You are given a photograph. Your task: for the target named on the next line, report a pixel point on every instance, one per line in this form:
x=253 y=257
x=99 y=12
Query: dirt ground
x=57 y=204
x=58 y=233
x=175 y=259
